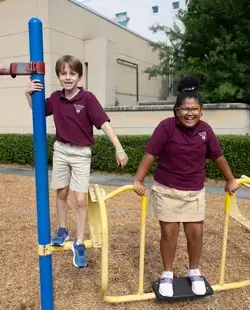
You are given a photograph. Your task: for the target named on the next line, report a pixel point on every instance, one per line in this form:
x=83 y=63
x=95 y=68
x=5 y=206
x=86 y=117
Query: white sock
x=166 y=284
x=198 y=284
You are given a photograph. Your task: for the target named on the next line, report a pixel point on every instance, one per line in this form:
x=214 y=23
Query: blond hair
x=74 y=63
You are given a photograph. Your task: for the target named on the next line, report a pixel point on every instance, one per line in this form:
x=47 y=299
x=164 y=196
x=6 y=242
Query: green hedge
x=18 y=148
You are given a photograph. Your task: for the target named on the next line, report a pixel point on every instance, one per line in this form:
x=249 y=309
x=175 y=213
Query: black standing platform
x=182 y=290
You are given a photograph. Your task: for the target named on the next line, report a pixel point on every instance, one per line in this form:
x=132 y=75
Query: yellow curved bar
x=228 y=203
x=105 y=246
x=129 y=298
x=228 y=200
x=118 y=191
x=105 y=242
x=142 y=243
x=243 y=180
x=230 y=286
x=147 y=296
x=235 y=212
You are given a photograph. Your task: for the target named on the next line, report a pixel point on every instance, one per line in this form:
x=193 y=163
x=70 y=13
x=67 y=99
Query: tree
x=215 y=45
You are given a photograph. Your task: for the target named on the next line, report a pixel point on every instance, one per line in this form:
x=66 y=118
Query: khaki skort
x=71 y=167
x=172 y=205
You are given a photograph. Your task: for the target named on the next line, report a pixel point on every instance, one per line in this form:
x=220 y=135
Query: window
x=176 y=5
x=155 y=9
x=121 y=16
x=122 y=19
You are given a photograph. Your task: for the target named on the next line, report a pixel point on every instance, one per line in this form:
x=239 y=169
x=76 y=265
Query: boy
x=75 y=112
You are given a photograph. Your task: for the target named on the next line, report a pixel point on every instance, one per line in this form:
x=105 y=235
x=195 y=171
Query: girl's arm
x=121 y=156
x=214 y=152
x=144 y=166
x=223 y=167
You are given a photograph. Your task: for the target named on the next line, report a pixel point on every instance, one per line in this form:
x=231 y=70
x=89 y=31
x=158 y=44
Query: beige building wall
x=14 y=46
x=106 y=78
x=223 y=118
x=71 y=29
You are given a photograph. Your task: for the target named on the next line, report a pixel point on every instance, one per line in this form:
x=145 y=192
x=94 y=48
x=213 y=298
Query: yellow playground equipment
x=98 y=222
x=235 y=212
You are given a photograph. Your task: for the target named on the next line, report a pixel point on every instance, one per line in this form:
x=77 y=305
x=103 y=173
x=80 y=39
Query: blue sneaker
x=79 y=255
x=61 y=237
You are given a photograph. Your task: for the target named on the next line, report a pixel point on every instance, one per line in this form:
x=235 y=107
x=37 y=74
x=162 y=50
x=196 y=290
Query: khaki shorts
x=172 y=205
x=71 y=167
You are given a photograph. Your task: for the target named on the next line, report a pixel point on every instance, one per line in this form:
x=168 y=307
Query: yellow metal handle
x=119 y=191
x=228 y=197
x=243 y=179
x=228 y=203
x=105 y=243
x=143 y=230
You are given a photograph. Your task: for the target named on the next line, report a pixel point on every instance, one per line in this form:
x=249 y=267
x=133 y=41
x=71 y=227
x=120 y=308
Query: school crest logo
x=203 y=135
x=78 y=107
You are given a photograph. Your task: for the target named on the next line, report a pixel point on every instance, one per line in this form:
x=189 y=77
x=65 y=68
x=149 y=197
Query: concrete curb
x=120 y=181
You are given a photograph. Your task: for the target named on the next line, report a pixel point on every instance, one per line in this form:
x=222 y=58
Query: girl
x=181 y=145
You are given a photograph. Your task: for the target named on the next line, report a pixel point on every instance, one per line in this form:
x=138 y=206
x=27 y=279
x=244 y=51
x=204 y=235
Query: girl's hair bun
x=188 y=83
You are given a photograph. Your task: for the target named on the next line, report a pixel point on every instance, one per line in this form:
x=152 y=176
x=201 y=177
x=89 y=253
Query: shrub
x=18 y=149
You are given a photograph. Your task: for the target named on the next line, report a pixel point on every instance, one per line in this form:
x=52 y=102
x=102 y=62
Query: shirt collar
x=77 y=96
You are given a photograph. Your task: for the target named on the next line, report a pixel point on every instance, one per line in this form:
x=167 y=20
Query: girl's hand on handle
x=34 y=85
x=231 y=186
x=139 y=188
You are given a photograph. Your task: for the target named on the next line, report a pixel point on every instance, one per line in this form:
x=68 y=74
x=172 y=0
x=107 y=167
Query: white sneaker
x=166 y=284
x=198 y=284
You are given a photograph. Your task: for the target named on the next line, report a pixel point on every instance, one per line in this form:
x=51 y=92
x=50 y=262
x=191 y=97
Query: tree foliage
x=214 y=44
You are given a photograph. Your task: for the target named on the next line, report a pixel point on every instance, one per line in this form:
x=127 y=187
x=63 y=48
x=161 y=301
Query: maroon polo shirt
x=182 y=152
x=74 y=119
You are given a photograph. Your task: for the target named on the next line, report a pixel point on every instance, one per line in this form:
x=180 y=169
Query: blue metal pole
x=41 y=168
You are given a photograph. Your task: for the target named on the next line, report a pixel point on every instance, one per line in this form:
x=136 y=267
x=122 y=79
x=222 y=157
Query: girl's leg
x=169 y=237
x=168 y=243
x=194 y=234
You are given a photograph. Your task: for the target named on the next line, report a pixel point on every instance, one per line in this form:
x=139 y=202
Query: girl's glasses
x=186 y=110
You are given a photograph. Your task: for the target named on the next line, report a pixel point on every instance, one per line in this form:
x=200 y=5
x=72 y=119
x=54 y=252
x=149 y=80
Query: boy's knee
x=63 y=193
x=81 y=200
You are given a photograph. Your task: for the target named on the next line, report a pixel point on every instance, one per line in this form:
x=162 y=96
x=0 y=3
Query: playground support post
x=41 y=170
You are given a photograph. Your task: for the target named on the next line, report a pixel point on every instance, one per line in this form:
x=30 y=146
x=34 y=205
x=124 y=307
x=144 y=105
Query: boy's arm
x=121 y=156
x=28 y=96
x=34 y=85
x=223 y=167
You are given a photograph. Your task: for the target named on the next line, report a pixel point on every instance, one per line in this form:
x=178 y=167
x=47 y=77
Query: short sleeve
x=96 y=112
x=48 y=106
x=158 y=140
x=214 y=149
